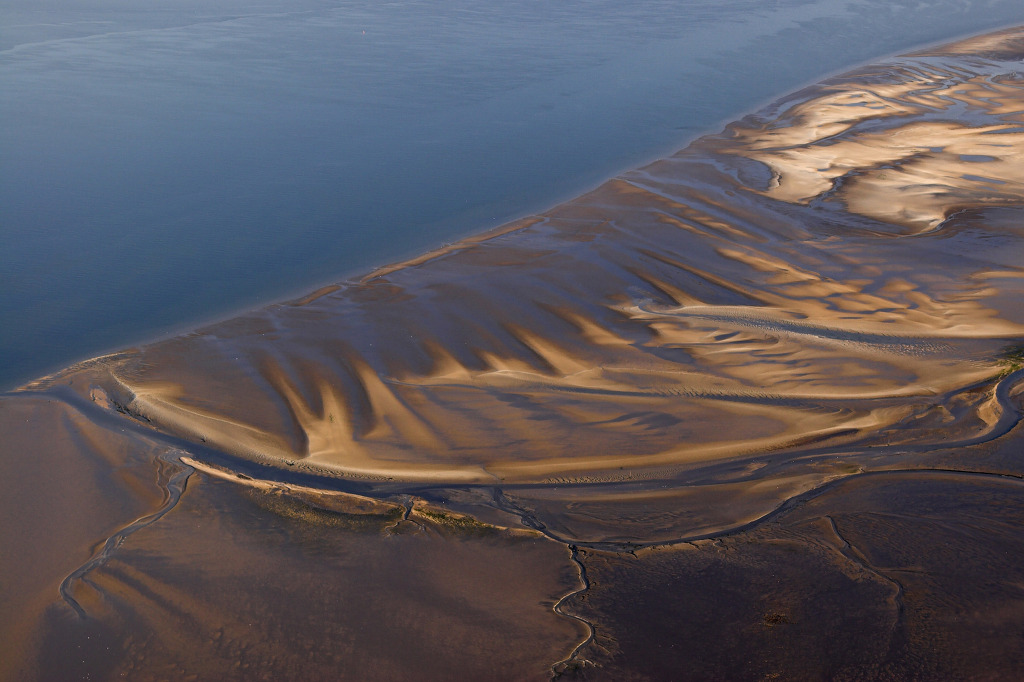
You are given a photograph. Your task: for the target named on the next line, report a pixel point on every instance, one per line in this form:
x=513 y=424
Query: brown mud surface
x=748 y=412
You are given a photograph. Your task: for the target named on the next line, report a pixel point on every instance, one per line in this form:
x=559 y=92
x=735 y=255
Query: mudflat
x=749 y=411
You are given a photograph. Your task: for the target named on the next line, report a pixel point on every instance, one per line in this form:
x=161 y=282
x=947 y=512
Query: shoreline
x=346 y=275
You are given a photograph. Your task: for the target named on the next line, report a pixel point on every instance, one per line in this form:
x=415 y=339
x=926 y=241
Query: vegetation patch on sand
x=1012 y=359
x=463 y=523
x=300 y=508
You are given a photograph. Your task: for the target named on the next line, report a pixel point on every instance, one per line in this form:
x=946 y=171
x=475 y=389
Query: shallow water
x=168 y=166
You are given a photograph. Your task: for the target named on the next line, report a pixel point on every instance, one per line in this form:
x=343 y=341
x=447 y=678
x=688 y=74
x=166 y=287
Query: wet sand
x=754 y=405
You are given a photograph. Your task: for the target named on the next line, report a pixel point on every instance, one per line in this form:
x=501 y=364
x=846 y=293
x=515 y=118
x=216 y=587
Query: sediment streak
x=172 y=478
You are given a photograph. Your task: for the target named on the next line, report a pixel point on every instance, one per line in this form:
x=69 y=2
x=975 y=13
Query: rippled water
x=167 y=165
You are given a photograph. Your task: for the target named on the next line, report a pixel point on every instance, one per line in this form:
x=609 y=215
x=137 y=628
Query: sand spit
x=795 y=343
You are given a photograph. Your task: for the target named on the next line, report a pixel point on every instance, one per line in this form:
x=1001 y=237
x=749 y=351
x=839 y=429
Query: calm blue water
x=168 y=162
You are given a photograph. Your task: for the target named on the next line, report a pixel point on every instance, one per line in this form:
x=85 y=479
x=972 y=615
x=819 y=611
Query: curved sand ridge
x=825 y=287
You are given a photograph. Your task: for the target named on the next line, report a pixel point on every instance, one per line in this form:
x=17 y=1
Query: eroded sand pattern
x=660 y=383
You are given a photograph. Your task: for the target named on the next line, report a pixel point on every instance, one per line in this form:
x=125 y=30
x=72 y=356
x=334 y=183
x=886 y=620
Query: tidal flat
x=751 y=411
